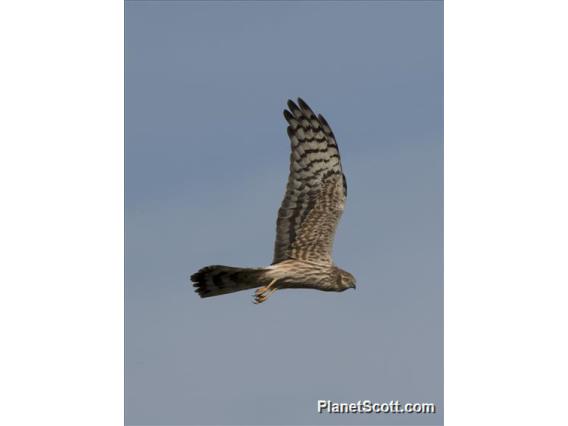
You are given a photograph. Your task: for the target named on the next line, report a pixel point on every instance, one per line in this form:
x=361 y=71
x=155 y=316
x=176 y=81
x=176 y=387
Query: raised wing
x=316 y=190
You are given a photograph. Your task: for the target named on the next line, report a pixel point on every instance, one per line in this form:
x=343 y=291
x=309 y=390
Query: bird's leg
x=265 y=289
x=264 y=293
x=271 y=284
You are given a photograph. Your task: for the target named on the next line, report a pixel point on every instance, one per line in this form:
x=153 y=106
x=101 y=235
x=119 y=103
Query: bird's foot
x=262 y=294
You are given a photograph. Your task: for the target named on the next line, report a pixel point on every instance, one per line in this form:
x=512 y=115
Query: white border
x=61 y=171
x=506 y=212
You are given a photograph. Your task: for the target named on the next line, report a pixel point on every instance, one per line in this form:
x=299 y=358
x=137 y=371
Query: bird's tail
x=215 y=280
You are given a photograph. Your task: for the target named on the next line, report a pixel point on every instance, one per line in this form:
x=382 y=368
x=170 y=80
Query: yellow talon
x=264 y=293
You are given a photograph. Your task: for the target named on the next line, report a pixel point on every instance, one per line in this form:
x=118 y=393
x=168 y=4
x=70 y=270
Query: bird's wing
x=316 y=190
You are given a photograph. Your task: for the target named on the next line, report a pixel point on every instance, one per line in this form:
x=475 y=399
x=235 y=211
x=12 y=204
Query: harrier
x=307 y=219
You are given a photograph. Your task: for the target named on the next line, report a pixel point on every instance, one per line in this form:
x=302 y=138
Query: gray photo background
x=206 y=166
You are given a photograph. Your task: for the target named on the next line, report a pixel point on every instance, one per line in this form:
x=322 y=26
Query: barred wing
x=316 y=190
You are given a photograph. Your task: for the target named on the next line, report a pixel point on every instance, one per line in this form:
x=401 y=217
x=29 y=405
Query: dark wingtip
x=303 y=104
x=288 y=115
x=323 y=120
x=292 y=105
x=306 y=108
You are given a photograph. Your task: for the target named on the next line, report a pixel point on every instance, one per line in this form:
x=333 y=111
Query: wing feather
x=316 y=189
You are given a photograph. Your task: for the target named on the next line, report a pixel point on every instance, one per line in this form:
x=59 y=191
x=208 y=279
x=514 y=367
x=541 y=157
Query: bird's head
x=345 y=280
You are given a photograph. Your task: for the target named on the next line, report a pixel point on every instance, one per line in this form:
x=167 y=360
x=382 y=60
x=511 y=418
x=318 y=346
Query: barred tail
x=215 y=280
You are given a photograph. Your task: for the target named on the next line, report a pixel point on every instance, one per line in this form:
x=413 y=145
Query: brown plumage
x=307 y=219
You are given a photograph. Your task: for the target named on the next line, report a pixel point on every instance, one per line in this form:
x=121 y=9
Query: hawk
x=307 y=219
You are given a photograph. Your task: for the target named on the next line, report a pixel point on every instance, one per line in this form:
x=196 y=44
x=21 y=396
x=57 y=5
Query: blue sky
x=206 y=165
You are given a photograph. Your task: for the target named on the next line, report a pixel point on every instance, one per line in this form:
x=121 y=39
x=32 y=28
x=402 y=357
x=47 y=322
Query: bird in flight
x=307 y=220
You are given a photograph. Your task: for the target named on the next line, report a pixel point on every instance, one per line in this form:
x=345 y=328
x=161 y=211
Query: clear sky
x=206 y=166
